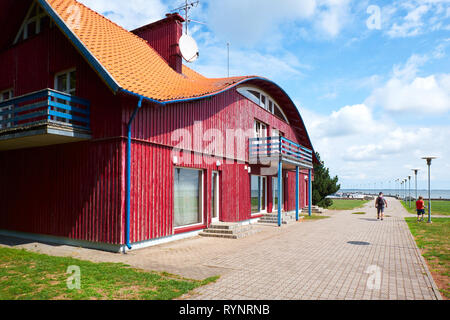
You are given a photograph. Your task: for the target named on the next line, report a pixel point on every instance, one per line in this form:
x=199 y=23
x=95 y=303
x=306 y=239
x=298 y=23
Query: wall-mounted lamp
x=218 y=163
x=249 y=170
x=175 y=160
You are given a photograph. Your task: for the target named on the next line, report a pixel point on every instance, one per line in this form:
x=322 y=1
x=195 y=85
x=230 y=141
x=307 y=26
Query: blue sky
x=371 y=78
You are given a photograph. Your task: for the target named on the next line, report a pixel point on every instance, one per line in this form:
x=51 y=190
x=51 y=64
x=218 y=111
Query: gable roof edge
x=92 y=60
x=210 y=95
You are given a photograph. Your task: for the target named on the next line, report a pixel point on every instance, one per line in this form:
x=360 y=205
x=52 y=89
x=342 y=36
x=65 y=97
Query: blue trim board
x=80 y=46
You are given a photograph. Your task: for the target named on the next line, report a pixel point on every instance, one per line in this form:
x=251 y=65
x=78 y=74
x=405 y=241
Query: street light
x=409 y=181
x=396 y=187
x=406 y=180
x=400 y=191
x=415 y=174
x=404 y=191
x=429 y=160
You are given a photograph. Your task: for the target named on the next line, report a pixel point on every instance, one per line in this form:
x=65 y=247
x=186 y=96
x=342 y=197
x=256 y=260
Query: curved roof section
x=128 y=63
x=125 y=60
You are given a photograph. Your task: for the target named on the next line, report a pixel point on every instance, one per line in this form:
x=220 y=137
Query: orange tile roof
x=130 y=61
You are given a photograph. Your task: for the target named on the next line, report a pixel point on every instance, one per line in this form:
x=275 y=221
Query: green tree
x=323 y=185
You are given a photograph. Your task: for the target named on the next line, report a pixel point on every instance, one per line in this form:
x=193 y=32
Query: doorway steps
x=314 y=209
x=272 y=218
x=228 y=230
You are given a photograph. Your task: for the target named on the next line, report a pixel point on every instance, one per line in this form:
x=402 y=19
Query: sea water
x=435 y=194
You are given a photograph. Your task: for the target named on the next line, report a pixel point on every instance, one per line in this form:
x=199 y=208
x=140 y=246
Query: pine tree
x=323 y=185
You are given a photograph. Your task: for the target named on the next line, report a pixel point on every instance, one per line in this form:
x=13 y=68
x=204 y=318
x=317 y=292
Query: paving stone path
x=346 y=256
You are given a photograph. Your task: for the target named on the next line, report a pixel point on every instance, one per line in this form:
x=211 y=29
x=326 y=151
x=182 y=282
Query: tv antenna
x=228 y=49
x=187 y=7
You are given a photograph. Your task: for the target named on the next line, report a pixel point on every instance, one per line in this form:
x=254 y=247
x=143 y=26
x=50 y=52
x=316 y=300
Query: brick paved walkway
x=316 y=261
x=309 y=260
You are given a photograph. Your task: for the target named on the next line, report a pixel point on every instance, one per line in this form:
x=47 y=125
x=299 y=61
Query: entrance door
x=275 y=194
x=215 y=210
x=258 y=191
x=263 y=194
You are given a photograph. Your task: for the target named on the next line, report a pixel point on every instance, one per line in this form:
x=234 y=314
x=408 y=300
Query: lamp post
x=406 y=180
x=404 y=190
x=409 y=192
x=415 y=175
x=429 y=160
x=396 y=187
x=401 y=190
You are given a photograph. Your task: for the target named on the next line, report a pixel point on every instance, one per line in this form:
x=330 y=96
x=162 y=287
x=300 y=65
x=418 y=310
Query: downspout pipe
x=128 y=174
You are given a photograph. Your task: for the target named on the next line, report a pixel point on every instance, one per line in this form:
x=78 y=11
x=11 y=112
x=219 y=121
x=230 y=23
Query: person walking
x=420 y=207
x=380 y=204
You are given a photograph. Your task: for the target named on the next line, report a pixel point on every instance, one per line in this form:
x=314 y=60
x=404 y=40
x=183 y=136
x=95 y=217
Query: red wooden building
x=108 y=141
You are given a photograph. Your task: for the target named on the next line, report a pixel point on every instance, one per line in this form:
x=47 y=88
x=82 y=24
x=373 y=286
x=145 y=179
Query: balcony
x=43 y=118
x=272 y=150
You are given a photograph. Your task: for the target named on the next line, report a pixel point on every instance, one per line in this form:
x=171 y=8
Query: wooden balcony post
x=280 y=176
x=296 y=193
x=309 y=192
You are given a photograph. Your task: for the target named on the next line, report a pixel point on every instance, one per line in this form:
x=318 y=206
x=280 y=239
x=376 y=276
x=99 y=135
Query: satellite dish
x=188 y=48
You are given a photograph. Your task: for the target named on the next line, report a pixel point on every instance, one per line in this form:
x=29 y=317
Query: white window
x=260 y=130
x=188 y=197
x=258 y=194
x=35 y=22
x=215 y=197
x=4 y=96
x=275 y=194
x=277 y=133
x=65 y=82
x=263 y=100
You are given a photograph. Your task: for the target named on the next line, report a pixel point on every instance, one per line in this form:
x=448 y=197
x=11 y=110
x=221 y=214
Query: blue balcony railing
x=276 y=147
x=45 y=107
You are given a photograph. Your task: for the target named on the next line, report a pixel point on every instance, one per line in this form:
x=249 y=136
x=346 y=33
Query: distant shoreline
x=444 y=195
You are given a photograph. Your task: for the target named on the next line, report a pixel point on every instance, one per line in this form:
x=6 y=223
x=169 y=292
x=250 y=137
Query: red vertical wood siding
x=78 y=190
x=31 y=66
x=71 y=190
x=163 y=36
x=153 y=168
x=152 y=190
x=68 y=190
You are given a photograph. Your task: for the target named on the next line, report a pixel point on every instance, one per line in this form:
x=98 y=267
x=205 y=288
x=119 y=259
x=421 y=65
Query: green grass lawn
x=434 y=243
x=313 y=217
x=438 y=207
x=26 y=275
x=340 y=204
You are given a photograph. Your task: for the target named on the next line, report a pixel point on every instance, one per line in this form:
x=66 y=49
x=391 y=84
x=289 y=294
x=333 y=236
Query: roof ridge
x=134 y=66
x=129 y=32
x=114 y=23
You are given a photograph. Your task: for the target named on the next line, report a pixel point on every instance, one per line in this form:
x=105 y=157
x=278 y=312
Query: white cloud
x=424 y=95
x=130 y=15
x=376 y=150
x=364 y=143
x=332 y=17
x=250 y=23
x=347 y=121
x=282 y=65
x=407 y=92
x=412 y=18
